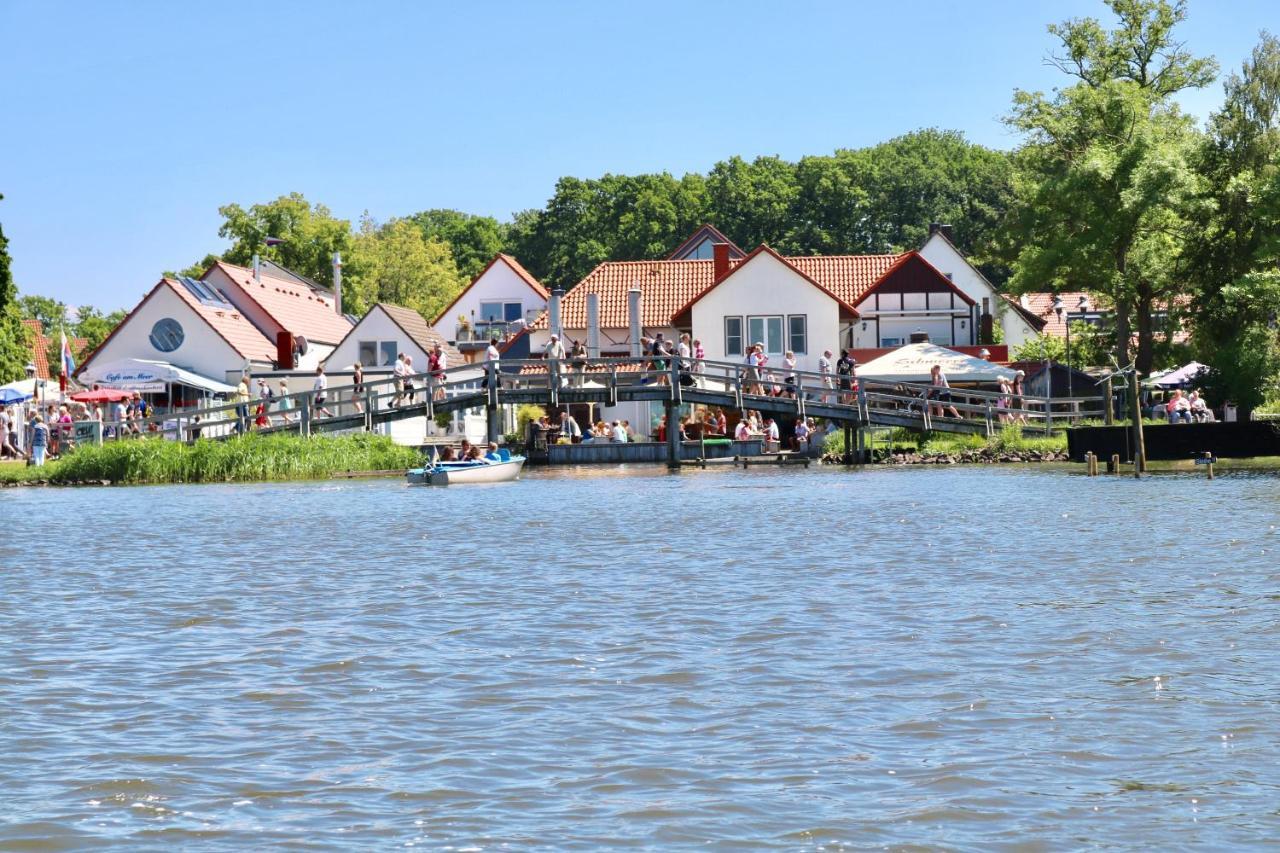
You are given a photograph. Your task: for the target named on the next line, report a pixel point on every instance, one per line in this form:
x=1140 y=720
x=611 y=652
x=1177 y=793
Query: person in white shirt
x=824 y=368
x=802 y=436
x=569 y=428
x=771 y=429
x=619 y=432
x=320 y=387
x=492 y=355
x=553 y=349
x=398 y=373
x=742 y=431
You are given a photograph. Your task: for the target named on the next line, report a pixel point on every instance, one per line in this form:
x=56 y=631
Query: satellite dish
x=300 y=345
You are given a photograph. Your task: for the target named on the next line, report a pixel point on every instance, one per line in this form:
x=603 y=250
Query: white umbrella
x=913 y=362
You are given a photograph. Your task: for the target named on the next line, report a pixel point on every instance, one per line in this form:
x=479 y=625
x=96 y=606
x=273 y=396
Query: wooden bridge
x=610 y=381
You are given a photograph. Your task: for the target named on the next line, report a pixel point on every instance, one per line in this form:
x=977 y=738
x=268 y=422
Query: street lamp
x=1082 y=308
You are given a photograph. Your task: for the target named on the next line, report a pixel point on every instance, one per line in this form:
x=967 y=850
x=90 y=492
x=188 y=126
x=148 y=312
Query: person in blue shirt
x=39 y=440
x=492 y=454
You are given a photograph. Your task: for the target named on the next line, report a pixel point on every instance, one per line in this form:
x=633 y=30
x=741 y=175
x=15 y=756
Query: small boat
x=500 y=470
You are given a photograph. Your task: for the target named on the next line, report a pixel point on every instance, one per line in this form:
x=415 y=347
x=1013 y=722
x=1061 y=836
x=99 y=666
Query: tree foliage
x=15 y=345
x=1236 y=252
x=310 y=235
x=473 y=240
x=1090 y=347
x=395 y=263
x=1105 y=183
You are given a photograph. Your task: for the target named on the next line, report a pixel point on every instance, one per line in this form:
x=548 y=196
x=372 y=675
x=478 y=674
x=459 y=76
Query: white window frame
x=804 y=334
x=742 y=338
x=764 y=338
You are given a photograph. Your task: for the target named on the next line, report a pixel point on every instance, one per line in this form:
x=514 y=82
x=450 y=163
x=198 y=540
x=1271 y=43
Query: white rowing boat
x=466 y=473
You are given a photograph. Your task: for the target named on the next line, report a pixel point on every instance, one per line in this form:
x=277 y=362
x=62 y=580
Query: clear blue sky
x=124 y=126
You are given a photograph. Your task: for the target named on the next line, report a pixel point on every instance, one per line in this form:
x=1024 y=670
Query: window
x=368 y=353
x=798 y=333
x=733 y=336
x=166 y=335
x=500 y=312
x=390 y=349
x=891 y=342
x=767 y=331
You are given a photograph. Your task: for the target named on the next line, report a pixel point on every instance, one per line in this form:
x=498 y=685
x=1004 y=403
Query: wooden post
x=1113 y=467
x=1139 y=440
x=368 y=407
x=493 y=424
x=1209 y=455
x=304 y=416
x=848 y=443
x=673 y=434
x=1109 y=414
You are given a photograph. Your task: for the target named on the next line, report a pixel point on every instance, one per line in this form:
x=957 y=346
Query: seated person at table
x=742 y=432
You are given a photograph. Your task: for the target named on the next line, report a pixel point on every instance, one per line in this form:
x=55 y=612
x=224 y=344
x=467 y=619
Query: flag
x=68 y=362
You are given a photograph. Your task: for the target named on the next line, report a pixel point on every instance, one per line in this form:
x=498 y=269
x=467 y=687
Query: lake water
x=1022 y=658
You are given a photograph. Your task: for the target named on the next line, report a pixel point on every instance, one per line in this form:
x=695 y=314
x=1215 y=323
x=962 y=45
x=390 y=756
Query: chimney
x=633 y=313
x=284 y=350
x=940 y=228
x=720 y=258
x=553 y=314
x=257 y=270
x=593 y=325
x=337 y=282
x=919 y=336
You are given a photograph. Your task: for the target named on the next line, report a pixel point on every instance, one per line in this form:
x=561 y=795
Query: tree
x=15 y=342
x=94 y=326
x=1236 y=252
x=754 y=202
x=395 y=263
x=197 y=269
x=1104 y=185
x=51 y=313
x=473 y=240
x=1089 y=347
x=310 y=235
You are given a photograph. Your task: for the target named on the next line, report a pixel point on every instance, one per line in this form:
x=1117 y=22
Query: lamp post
x=1082 y=308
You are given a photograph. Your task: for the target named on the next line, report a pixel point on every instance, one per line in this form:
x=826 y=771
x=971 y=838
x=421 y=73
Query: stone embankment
x=967 y=457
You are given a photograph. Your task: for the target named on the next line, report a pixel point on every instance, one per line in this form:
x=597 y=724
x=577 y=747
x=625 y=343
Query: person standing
x=846 y=368
x=398 y=373
x=619 y=432
x=39 y=441
x=320 y=390
x=410 y=391
x=789 y=373
x=941 y=392
x=824 y=370
x=242 y=404
x=285 y=403
x=438 y=363
x=492 y=355
x=357 y=387
x=569 y=428
x=553 y=349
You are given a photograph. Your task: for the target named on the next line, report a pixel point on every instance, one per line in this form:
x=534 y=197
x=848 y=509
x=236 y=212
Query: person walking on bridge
x=437 y=364
x=321 y=388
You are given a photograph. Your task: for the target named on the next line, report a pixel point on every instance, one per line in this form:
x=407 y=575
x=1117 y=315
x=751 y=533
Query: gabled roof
x=762 y=249
x=667 y=286
x=414 y=325
x=292 y=305
x=1037 y=323
x=913 y=263
x=521 y=273
x=850 y=277
x=697 y=238
x=227 y=323
x=40 y=348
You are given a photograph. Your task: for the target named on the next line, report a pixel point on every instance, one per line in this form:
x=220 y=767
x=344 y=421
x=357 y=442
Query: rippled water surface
x=967 y=658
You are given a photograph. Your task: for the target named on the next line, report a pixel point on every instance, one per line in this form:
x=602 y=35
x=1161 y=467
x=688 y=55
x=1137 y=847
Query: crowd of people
x=40 y=432
x=1183 y=408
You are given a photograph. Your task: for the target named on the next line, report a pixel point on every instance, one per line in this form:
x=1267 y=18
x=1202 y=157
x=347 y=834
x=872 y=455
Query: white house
x=500 y=301
x=1017 y=323
x=187 y=324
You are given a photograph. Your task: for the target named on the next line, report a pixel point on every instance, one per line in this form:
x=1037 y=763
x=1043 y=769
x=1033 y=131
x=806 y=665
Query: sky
x=124 y=126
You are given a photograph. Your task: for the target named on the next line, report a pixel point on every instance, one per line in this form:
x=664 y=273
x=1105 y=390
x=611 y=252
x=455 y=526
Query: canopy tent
x=1180 y=378
x=101 y=395
x=27 y=387
x=12 y=395
x=913 y=362
x=140 y=374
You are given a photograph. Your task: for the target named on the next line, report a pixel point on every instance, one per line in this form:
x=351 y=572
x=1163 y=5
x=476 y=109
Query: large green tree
x=1236 y=253
x=14 y=340
x=310 y=234
x=395 y=263
x=1105 y=185
x=473 y=240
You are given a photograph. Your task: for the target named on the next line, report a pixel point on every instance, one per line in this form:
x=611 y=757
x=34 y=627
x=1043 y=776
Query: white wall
x=202 y=351
x=218 y=278
x=498 y=284
x=375 y=326
x=766 y=286
x=939 y=252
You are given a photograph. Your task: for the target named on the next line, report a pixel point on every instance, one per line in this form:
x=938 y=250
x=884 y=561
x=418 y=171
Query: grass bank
x=248 y=459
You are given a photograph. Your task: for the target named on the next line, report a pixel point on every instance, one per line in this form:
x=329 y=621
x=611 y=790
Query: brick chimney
x=720 y=258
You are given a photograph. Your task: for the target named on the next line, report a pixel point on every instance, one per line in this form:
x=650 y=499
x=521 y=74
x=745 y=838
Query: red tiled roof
x=228 y=322
x=669 y=286
x=40 y=348
x=297 y=308
x=525 y=276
